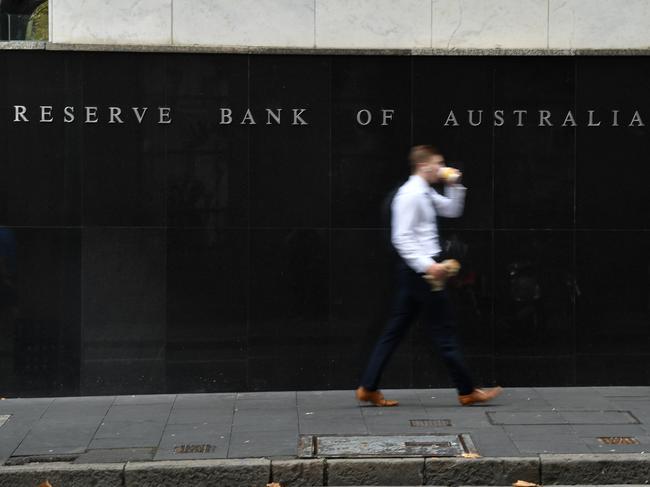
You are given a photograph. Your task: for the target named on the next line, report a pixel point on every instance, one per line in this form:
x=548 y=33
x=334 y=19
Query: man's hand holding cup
x=449 y=175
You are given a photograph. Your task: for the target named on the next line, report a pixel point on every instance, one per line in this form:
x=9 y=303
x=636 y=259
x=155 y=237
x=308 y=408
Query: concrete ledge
x=480 y=471
x=298 y=473
x=49 y=46
x=21 y=45
x=585 y=469
x=375 y=471
x=606 y=468
x=66 y=474
x=233 y=473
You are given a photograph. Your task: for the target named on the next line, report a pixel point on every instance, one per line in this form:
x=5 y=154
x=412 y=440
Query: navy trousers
x=414 y=295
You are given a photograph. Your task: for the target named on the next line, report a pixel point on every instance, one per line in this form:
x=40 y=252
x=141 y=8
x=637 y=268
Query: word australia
x=543 y=118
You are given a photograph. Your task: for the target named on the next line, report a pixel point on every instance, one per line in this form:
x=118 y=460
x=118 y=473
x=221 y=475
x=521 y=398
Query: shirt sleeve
x=404 y=215
x=450 y=205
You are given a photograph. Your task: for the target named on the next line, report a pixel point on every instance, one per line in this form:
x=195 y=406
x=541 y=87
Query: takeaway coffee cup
x=449 y=174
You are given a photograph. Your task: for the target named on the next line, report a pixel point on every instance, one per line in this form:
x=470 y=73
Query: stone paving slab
x=263 y=444
x=203 y=415
x=495 y=443
x=598 y=417
x=145 y=412
x=149 y=399
x=526 y=417
x=220 y=401
x=193 y=442
x=116 y=455
x=65 y=435
x=26 y=408
x=66 y=407
x=142 y=432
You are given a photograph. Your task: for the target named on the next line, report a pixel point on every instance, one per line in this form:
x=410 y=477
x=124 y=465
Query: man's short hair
x=420 y=153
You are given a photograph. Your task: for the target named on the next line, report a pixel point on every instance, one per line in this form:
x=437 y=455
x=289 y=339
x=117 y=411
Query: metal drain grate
x=187 y=449
x=342 y=446
x=431 y=423
x=618 y=440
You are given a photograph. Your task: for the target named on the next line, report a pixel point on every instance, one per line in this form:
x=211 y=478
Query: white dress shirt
x=414 y=230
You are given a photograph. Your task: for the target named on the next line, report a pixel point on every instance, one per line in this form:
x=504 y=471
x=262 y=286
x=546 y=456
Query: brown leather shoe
x=479 y=395
x=375 y=397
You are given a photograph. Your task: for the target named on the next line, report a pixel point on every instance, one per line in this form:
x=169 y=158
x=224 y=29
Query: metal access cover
x=4 y=418
x=430 y=423
x=186 y=449
x=341 y=446
x=618 y=440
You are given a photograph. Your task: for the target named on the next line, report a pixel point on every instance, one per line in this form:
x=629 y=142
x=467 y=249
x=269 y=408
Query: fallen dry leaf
x=274 y=484
x=471 y=455
x=523 y=483
x=45 y=484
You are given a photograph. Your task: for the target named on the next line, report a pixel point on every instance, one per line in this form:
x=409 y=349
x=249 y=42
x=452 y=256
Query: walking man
x=414 y=234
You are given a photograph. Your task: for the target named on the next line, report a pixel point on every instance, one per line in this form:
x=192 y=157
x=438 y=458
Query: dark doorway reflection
x=24 y=20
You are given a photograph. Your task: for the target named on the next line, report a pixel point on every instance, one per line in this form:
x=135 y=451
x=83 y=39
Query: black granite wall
x=196 y=256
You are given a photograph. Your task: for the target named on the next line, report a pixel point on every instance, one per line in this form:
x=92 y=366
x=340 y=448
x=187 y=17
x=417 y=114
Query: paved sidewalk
x=523 y=422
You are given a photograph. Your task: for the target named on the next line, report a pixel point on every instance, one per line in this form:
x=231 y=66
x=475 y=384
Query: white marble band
x=356 y=24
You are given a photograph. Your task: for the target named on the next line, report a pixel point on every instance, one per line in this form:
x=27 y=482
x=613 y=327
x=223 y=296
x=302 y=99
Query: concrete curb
x=585 y=469
x=375 y=471
x=235 y=473
x=607 y=468
x=481 y=471
x=63 y=474
x=299 y=473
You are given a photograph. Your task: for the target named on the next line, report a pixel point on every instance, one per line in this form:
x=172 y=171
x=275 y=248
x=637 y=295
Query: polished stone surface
x=369 y=23
x=123 y=310
x=41 y=312
x=603 y=202
x=289 y=161
x=207 y=170
x=445 y=84
x=501 y=23
x=199 y=256
x=247 y=22
x=447 y=25
x=123 y=22
x=364 y=156
x=53 y=195
x=597 y=23
x=534 y=167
